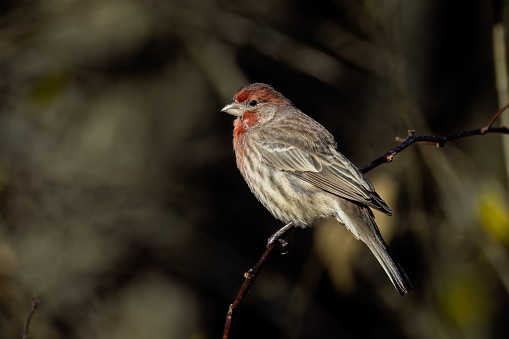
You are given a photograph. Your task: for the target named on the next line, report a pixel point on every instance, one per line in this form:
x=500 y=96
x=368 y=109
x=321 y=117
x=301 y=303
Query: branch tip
x=26 y=329
x=500 y=111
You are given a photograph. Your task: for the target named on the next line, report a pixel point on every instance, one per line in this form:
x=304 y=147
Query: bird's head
x=256 y=104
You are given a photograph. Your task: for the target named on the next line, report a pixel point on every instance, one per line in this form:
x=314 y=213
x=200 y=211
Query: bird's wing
x=329 y=171
x=286 y=157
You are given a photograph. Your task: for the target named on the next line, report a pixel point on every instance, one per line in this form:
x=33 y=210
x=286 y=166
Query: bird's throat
x=241 y=126
x=245 y=122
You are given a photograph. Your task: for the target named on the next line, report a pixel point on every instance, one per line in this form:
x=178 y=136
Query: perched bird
x=292 y=165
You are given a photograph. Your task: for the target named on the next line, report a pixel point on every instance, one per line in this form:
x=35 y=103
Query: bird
x=292 y=165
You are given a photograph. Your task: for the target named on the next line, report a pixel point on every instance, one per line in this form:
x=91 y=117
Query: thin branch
x=277 y=239
x=429 y=140
x=434 y=140
x=26 y=329
x=487 y=127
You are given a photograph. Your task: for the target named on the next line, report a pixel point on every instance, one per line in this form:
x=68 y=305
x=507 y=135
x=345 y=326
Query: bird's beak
x=233 y=108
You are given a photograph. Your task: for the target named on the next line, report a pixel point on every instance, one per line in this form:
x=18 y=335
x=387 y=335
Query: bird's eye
x=253 y=103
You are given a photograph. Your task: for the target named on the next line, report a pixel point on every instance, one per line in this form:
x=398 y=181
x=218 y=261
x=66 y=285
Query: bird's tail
x=393 y=269
x=360 y=221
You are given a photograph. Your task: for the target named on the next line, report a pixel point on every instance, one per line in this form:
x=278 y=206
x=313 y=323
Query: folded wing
x=323 y=167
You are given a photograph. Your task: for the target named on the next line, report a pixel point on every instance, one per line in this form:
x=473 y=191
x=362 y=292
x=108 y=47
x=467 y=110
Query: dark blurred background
x=122 y=209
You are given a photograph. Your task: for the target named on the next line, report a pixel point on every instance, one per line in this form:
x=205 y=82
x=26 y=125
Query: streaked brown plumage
x=291 y=164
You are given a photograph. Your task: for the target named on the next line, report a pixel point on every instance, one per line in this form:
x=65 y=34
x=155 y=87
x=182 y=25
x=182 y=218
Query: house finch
x=292 y=165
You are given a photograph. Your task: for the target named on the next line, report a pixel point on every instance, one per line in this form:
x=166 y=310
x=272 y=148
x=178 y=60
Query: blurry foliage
x=466 y=301
x=122 y=210
x=48 y=88
x=494 y=212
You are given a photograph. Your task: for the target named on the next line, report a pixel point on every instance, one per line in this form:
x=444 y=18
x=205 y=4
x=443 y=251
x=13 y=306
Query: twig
x=434 y=140
x=487 y=127
x=430 y=140
x=277 y=239
x=26 y=329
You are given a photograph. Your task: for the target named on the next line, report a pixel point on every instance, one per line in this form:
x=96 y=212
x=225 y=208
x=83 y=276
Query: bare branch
x=276 y=240
x=428 y=140
x=487 y=127
x=434 y=140
x=26 y=329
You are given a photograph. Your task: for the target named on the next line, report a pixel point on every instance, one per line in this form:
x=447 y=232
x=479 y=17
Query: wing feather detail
x=325 y=168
